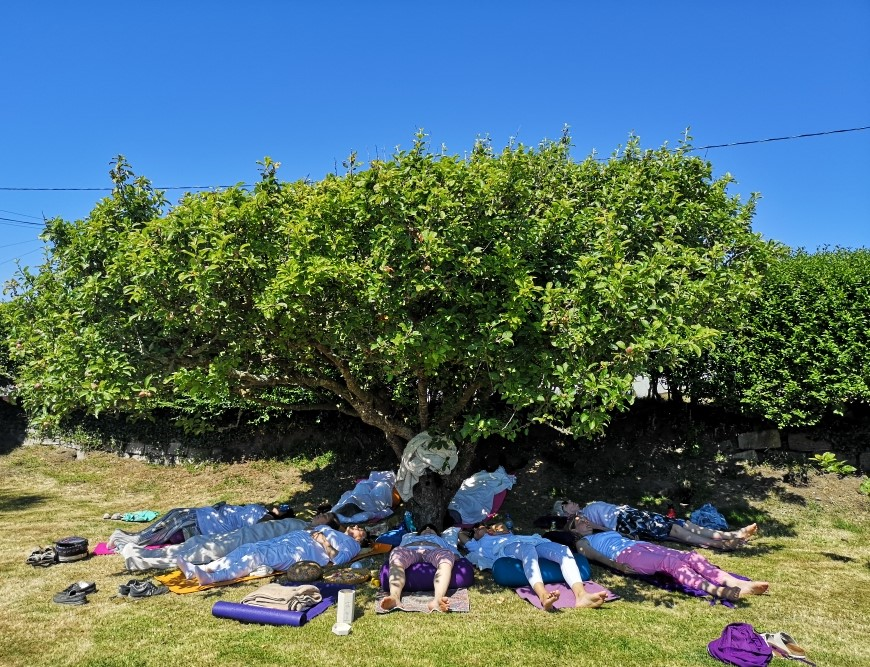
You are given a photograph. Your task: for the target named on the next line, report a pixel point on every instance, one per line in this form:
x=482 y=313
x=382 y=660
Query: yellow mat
x=176 y=582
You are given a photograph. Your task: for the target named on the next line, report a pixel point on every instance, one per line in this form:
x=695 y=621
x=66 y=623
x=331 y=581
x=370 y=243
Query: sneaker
x=124 y=589
x=70 y=597
x=83 y=587
x=146 y=589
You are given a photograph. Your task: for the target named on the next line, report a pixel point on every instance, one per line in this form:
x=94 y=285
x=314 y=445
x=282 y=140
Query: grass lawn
x=814 y=549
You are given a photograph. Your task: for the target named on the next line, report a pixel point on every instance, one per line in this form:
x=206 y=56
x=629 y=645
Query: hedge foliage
x=801 y=351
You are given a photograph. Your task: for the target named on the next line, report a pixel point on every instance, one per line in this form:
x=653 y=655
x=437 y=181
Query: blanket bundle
x=291 y=598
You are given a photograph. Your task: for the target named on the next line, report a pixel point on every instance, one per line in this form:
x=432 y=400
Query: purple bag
x=741 y=645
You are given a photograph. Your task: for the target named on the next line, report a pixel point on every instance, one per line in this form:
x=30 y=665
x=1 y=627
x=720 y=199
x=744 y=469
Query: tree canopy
x=461 y=295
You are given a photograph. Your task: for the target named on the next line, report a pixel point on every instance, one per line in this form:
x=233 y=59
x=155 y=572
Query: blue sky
x=195 y=93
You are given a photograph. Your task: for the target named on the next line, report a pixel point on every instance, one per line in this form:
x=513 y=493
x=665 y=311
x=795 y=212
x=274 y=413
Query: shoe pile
x=75 y=594
x=42 y=557
x=140 y=588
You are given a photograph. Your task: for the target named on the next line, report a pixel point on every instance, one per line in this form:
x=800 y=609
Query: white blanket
x=423 y=452
x=373 y=496
x=473 y=500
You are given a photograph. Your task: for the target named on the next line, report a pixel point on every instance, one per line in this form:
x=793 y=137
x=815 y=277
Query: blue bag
x=708 y=516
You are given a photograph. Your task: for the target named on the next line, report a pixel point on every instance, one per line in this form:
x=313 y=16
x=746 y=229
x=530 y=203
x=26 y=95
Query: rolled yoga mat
x=247 y=613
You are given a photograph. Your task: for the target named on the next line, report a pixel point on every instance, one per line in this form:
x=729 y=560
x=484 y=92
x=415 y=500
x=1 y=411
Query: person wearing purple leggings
x=686 y=567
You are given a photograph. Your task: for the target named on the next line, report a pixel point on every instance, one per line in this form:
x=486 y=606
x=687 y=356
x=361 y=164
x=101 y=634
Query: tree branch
x=423 y=400
x=364 y=409
x=449 y=415
x=299 y=407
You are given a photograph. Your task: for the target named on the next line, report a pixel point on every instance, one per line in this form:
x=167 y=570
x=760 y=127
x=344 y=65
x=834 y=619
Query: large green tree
x=461 y=295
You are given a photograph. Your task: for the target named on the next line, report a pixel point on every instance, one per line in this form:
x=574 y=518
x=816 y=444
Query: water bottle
x=508 y=522
x=409 y=523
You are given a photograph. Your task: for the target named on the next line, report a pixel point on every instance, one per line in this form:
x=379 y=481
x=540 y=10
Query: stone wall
x=800 y=444
x=337 y=433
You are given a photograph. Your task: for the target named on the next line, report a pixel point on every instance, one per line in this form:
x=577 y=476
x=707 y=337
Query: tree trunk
x=433 y=492
x=429 y=503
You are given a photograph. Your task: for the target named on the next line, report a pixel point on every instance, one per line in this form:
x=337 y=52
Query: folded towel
x=292 y=598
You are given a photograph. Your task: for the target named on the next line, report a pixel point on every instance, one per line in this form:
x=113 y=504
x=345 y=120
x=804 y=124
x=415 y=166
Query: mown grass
x=816 y=556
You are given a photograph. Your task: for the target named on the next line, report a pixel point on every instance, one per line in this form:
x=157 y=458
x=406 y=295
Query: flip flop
x=785 y=646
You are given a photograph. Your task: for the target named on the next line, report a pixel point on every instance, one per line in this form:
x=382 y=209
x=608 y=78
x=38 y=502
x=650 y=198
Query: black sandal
x=42 y=557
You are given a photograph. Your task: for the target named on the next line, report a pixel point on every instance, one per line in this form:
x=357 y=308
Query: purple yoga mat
x=566 y=595
x=247 y=613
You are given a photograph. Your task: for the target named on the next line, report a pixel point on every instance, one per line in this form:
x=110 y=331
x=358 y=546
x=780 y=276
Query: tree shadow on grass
x=17 y=503
x=839 y=558
x=336 y=465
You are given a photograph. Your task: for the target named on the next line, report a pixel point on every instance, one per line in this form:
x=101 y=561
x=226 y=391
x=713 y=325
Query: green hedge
x=802 y=349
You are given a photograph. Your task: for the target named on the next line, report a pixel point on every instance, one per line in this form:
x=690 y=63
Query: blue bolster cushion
x=509 y=571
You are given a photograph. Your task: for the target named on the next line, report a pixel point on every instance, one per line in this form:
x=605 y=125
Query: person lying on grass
x=323 y=545
x=181 y=523
x=686 y=567
x=201 y=549
x=644 y=525
x=486 y=545
x=370 y=499
x=427 y=546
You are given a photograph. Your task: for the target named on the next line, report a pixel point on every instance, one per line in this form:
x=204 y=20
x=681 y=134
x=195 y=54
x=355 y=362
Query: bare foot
x=389 y=602
x=590 y=600
x=548 y=600
x=441 y=604
x=753 y=588
x=727 y=545
x=747 y=531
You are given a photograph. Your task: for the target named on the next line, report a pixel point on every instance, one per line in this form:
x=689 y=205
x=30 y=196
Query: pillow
x=392 y=537
x=421 y=576
x=509 y=571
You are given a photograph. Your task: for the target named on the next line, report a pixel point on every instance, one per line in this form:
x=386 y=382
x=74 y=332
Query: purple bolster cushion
x=421 y=576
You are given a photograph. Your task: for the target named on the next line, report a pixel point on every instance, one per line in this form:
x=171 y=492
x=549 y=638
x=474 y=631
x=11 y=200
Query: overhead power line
x=793 y=136
x=23 y=222
x=23 y=215
x=250 y=185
